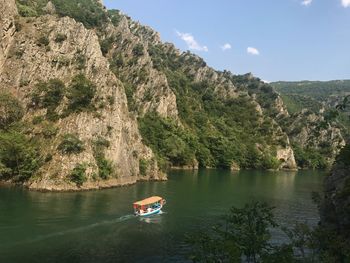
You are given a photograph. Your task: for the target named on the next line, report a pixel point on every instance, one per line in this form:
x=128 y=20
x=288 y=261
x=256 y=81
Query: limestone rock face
x=151 y=88
x=286 y=156
x=8 y=12
x=311 y=130
x=33 y=63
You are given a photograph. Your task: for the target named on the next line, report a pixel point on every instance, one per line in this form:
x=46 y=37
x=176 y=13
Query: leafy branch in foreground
x=244 y=235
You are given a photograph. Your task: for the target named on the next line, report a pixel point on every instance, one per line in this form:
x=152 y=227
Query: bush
x=106 y=44
x=71 y=145
x=244 y=233
x=10 y=110
x=80 y=59
x=105 y=167
x=344 y=155
x=88 y=12
x=143 y=166
x=138 y=50
x=19 y=156
x=115 y=16
x=78 y=175
x=26 y=11
x=43 y=41
x=80 y=94
x=48 y=95
x=60 y=38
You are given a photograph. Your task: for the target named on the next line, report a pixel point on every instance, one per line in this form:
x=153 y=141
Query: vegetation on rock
x=71 y=144
x=78 y=175
x=11 y=110
x=80 y=93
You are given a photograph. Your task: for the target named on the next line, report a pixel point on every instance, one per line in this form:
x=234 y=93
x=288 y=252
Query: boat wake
x=74 y=230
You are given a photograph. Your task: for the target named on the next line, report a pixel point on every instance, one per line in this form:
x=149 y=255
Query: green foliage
x=270 y=162
x=60 y=38
x=71 y=144
x=138 y=50
x=244 y=233
x=143 y=165
x=217 y=131
x=167 y=139
x=309 y=158
x=88 y=12
x=105 y=167
x=80 y=60
x=26 y=11
x=10 y=110
x=296 y=103
x=106 y=45
x=43 y=41
x=78 y=175
x=344 y=156
x=319 y=90
x=80 y=94
x=19 y=156
x=48 y=95
x=115 y=16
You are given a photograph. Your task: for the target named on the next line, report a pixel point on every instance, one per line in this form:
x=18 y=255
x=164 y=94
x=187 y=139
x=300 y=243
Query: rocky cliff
x=33 y=54
x=94 y=99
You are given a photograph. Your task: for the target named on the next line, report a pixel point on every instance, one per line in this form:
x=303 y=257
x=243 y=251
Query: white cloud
x=226 y=47
x=253 y=51
x=191 y=42
x=345 y=3
x=306 y=2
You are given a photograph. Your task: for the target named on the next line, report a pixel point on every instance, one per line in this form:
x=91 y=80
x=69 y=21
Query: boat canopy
x=148 y=201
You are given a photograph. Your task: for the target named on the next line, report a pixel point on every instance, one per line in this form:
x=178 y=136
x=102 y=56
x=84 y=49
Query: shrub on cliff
x=10 y=110
x=78 y=175
x=48 y=95
x=88 y=12
x=105 y=167
x=71 y=145
x=80 y=94
x=19 y=156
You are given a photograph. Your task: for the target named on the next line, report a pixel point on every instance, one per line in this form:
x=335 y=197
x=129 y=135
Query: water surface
x=98 y=226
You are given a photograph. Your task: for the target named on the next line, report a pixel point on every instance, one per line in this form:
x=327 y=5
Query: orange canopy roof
x=148 y=201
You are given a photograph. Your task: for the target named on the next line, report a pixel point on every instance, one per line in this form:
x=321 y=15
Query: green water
x=98 y=226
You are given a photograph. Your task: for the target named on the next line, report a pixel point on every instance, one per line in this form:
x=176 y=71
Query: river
x=98 y=226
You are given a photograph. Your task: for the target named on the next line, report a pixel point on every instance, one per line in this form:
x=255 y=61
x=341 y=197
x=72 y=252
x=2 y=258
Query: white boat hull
x=153 y=212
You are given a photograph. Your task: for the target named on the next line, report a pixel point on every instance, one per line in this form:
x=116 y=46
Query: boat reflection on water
x=154 y=219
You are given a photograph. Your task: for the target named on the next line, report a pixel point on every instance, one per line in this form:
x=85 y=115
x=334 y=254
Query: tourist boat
x=149 y=206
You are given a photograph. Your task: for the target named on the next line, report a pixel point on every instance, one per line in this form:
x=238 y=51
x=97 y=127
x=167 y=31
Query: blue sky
x=273 y=39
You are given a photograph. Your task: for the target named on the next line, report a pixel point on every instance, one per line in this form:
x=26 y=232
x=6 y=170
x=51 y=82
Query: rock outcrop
x=25 y=62
x=8 y=13
x=310 y=130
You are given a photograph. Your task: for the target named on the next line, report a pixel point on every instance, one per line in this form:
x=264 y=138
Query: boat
x=149 y=206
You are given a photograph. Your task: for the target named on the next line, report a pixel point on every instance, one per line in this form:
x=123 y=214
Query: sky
x=286 y=40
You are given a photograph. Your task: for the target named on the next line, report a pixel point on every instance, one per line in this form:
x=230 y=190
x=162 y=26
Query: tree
x=10 y=110
x=243 y=234
x=19 y=157
x=80 y=94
